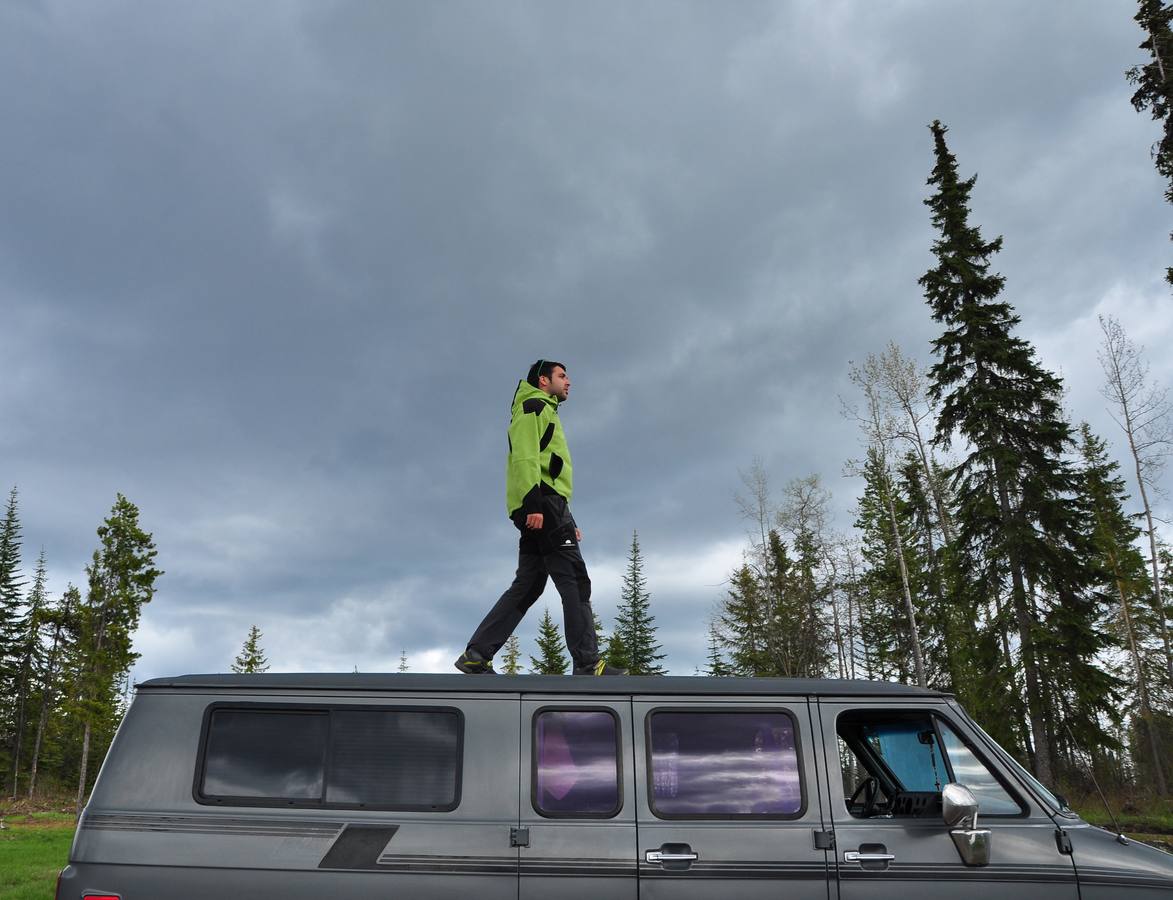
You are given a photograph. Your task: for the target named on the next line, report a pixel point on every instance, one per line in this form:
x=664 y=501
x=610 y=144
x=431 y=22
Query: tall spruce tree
x=122 y=578
x=252 y=656
x=634 y=623
x=1013 y=483
x=742 y=625
x=550 y=659
x=30 y=657
x=60 y=620
x=1154 y=86
x=11 y=622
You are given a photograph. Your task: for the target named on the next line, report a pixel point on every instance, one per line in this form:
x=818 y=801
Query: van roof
x=537 y=684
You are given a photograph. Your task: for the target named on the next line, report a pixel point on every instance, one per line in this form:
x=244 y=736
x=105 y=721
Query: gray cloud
x=274 y=274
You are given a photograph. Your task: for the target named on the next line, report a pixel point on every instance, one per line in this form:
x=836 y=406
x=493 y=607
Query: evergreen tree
x=883 y=623
x=61 y=621
x=1115 y=535
x=634 y=622
x=12 y=621
x=742 y=624
x=616 y=650
x=1154 y=86
x=29 y=659
x=716 y=665
x=251 y=657
x=122 y=578
x=550 y=660
x=1013 y=485
x=403 y=667
x=511 y=661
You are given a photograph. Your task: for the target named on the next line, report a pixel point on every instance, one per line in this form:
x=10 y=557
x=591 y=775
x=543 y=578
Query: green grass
x=33 y=849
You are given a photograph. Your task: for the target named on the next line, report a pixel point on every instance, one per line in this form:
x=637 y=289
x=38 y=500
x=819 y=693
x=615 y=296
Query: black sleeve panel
x=532 y=501
x=546 y=437
x=534 y=405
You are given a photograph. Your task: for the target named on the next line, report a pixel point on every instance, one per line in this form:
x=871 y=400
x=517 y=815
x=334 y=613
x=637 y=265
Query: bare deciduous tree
x=1142 y=411
x=879 y=430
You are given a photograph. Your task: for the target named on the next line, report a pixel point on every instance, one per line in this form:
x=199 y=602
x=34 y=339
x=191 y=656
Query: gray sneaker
x=472 y=663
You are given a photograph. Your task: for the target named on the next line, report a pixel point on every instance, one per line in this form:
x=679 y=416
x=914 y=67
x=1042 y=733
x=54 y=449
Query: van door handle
x=855 y=856
x=674 y=857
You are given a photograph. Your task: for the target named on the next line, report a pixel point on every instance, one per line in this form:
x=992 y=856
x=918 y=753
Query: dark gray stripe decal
x=1122 y=877
x=448 y=865
x=497 y=865
x=240 y=825
x=358 y=847
x=946 y=872
x=745 y=870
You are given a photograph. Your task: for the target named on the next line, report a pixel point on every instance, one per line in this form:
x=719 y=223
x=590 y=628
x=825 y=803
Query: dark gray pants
x=551 y=553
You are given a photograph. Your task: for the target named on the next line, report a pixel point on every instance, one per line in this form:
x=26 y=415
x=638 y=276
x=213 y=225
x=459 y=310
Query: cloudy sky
x=272 y=270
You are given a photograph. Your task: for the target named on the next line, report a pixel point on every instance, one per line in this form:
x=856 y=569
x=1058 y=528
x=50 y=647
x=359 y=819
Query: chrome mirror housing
x=960 y=807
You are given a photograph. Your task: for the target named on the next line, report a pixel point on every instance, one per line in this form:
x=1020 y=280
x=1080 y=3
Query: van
x=328 y=787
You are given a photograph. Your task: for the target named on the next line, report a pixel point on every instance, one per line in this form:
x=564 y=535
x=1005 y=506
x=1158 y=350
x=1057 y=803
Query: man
x=538 y=486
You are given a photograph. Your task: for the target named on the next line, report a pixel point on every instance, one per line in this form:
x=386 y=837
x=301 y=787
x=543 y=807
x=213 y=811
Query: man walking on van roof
x=538 y=486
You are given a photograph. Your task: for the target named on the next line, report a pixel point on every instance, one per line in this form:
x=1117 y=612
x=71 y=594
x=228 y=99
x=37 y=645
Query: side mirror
x=960 y=807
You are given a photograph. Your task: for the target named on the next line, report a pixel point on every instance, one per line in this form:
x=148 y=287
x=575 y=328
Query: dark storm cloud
x=274 y=272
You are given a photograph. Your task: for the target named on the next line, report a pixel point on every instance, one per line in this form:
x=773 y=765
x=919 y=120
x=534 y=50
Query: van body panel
x=746 y=858
x=570 y=857
x=1109 y=869
x=145 y=822
x=1025 y=862
x=718 y=786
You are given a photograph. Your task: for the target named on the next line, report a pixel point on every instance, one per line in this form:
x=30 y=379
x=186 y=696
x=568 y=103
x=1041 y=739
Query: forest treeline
x=999 y=550
x=65 y=658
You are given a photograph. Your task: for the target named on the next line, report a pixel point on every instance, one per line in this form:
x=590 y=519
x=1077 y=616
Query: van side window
x=576 y=763
x=894 y=765
x=722 y=765
x=393 y=759
x=970 y=771
x=265 y=754
x=352 y=757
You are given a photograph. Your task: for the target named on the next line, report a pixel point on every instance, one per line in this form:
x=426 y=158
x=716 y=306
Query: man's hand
x=534 y=521
x=578 y=534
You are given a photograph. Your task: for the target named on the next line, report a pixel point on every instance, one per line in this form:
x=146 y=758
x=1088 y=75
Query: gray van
x=436 y=786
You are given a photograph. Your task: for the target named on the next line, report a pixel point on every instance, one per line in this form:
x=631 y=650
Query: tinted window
x=724 y=764
x=577 y=763
x=381 y=758
x=393 y=758
x=265 y=754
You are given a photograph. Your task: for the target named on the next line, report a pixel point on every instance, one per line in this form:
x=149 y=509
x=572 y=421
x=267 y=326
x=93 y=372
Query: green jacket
x=539 y=460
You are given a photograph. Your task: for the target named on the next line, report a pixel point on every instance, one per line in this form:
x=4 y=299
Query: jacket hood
x=526 y=391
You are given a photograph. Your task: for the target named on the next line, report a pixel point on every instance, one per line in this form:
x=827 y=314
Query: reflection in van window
x=393 y=758
x=265 y=754
x=724 y=764
x=378 y=758
x=969 y=770
x=577 y=759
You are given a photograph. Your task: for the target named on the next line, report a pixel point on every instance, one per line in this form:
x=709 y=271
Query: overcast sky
x=273 y=269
